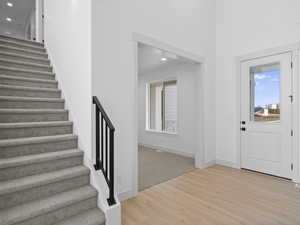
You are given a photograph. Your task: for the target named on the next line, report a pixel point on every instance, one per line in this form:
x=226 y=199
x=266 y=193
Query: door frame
x=39 y=20
x=200 y=154
x=294 y=49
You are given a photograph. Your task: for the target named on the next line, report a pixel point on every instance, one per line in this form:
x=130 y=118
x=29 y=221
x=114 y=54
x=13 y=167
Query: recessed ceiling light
x=163 y=59
x=8 y=19
x=9 y=4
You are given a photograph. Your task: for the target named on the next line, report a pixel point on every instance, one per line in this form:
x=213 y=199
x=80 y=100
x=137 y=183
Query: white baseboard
x=227 y=163
x=163 y=149
x=208 y=164
x=125 y=195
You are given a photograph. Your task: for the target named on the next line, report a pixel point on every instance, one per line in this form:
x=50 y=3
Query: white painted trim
x=126 y=195
x=163 y=149
x=294 y=49
x=199 y=156
x=39 y=11
x=295 y=112
x=269 y=52
x=135 y=190
x=137 y=37
x=208 y=164
x=161 y=132
x=227 y=163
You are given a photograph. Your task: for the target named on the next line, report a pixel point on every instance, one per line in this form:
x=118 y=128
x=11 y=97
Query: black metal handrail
x=105 y=156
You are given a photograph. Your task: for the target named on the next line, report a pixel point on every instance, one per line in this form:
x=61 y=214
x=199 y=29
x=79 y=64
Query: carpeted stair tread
x=38 y=158
x=24 y=57
x=13 y=87
x=5 y=37
x=28 y=79
x=32 y=111
x=36 y=140
x=21 y=41
x=26 y=70
x=13 y=98
x=90 y=217
x=35 y=124
x=43 y=206
x=11 y=186
x=42 y=54
x=22 y=62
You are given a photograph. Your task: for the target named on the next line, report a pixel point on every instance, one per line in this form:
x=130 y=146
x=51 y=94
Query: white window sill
x=161 y=132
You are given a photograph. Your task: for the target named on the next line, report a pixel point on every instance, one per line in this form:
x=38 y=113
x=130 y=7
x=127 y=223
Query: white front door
x=266 y=114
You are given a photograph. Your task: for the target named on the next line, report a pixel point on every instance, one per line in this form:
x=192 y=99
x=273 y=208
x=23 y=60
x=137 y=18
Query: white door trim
x=39 y=20
x=200 y=154
x=294 y=49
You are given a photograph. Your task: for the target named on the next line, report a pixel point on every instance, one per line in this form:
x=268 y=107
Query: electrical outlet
x=297 y=185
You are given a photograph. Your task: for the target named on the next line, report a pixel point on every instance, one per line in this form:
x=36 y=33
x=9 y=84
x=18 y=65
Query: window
x=265 y=93
x=162 y=106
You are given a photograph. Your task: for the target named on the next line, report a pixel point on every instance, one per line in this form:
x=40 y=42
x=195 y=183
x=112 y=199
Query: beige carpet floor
x=156 y=167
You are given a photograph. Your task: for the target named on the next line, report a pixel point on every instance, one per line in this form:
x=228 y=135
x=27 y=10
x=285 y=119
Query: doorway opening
x=22 y=19
x=168 y=114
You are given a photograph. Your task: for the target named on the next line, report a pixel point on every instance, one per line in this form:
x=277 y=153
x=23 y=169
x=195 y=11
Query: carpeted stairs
x=42 y=178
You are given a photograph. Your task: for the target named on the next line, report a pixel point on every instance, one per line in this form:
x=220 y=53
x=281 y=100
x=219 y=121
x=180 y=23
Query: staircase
x=42 y=177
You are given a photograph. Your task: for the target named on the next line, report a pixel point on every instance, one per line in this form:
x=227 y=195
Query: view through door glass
x=265 y=93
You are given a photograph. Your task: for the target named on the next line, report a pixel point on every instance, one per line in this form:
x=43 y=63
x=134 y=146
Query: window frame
x=148 y=108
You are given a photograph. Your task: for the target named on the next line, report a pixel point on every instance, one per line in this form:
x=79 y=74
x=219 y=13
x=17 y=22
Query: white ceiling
x=149 y=58
x=19 y=13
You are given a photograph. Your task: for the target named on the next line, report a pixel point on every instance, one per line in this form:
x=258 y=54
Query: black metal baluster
x=106 y=150
x=111 y=200
x=102 y=160
x=97 y=167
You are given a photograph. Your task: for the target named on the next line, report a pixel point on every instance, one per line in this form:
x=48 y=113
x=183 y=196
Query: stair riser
x=22 y=46
x=26 y=83
x=39 y=168
x=29 y=93
x=61 y=214
x=36 y=44
x=25 y=66
x=22 y=150
x=17 y=198
x=23 y=52
x=27 y=74
x=23 y=59
x=7 y=133
x=31 y=105
x=34 y=117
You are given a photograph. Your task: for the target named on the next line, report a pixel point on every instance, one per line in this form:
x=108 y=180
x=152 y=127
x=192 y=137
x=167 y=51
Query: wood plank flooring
x=216 y=196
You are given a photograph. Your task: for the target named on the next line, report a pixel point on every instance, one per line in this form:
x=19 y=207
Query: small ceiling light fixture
x=8 y=19
x=9 y=4
x=163 y=59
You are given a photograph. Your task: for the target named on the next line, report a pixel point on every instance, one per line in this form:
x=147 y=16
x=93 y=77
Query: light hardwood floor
x=216 y=196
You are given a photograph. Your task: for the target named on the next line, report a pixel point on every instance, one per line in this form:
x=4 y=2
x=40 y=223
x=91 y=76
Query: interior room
x=18 y=19
x=167 y=113
x=155 y=112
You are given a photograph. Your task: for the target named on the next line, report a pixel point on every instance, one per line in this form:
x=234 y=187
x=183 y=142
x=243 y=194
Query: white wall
x=245 y=27
x=187 y=25
x=184 y=142
x=68 y=41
